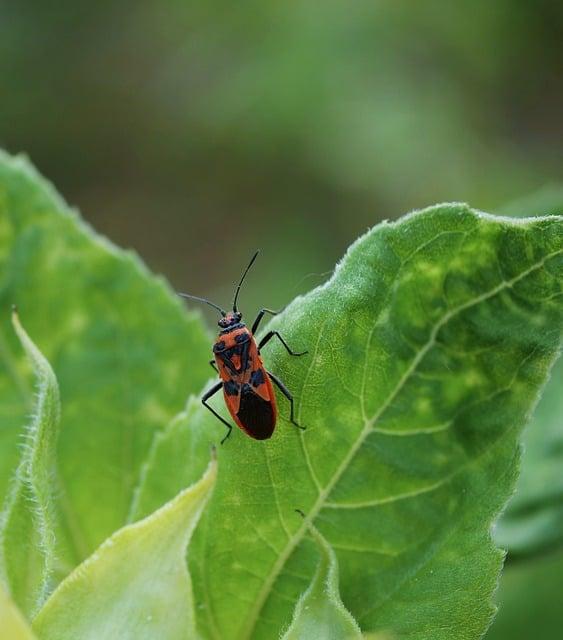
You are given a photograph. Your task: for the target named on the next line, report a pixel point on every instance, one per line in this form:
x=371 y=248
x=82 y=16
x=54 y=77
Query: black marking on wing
x=228 y=363
x=219 y=346
x=257 y=378
x=231 y=387
x=256 y=414
x=241 y=350
x=232 y=351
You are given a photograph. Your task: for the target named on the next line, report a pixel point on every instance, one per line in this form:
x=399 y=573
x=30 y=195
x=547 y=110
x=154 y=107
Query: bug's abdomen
x=255 y=415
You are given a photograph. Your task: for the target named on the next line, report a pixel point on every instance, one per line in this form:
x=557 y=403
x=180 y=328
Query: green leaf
x=27 y=523
x=533 y=520
x=125 y=352
x=13 y=625
x=320 y=614
x=428 y=349
x=136 y=585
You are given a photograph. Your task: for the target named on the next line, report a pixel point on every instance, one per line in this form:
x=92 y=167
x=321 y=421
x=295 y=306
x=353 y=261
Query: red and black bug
x=247 y=386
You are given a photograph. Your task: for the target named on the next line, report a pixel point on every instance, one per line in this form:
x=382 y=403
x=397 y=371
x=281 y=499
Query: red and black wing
x=247 y=388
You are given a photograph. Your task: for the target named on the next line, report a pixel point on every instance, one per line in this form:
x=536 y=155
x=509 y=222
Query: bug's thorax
x=229 y=338
x=235 y=352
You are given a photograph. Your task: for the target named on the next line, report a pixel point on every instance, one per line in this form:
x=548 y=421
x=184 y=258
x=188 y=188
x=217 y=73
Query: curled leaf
x=136 y=585
x=27 y=524
x=320 y=613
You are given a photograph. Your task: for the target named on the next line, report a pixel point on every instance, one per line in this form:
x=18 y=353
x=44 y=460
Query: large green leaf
x=136 y=586
x=125 y=353
x=428 y=348
x=27 y=523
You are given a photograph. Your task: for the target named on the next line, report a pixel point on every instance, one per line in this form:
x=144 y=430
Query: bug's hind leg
x=270 y=335
x=204 y=400
x=281 y=386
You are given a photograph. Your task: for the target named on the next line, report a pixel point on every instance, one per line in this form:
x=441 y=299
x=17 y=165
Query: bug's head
x=230 y=319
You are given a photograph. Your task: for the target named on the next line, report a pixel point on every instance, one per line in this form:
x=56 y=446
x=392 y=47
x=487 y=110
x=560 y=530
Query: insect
x=247 y=385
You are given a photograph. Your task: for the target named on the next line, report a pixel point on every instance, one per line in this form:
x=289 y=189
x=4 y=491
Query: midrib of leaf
x=443 y=481
x=369 y=425
x=464 y=467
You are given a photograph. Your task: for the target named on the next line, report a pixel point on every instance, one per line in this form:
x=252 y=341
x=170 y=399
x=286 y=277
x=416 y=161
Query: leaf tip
x=16 y=322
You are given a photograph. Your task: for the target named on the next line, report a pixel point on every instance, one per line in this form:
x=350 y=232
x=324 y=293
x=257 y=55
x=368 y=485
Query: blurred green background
x=195 y=132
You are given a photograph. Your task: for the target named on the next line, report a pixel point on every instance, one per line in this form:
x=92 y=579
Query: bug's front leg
x=259 y=317
x=204 y=400
x=214 y=364
x=270 y=335
x=281 y=386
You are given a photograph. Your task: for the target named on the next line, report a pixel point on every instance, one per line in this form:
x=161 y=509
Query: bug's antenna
x=211 y=304
x=242 y=280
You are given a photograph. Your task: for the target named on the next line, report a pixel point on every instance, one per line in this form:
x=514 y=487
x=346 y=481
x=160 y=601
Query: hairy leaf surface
x=125 y=353
x=27 y=523
x=136 y=585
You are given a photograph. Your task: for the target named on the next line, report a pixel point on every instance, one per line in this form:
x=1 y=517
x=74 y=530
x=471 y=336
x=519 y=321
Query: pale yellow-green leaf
x=320 y=613
x=13 y=625
x=136 y=585
x=125 y=351
x=27 y=524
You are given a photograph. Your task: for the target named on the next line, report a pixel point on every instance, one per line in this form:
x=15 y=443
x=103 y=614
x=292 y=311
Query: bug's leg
x=281 y=386
x=259 y=317
x=204 y=400
x=270 y=335
x=212 y=363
